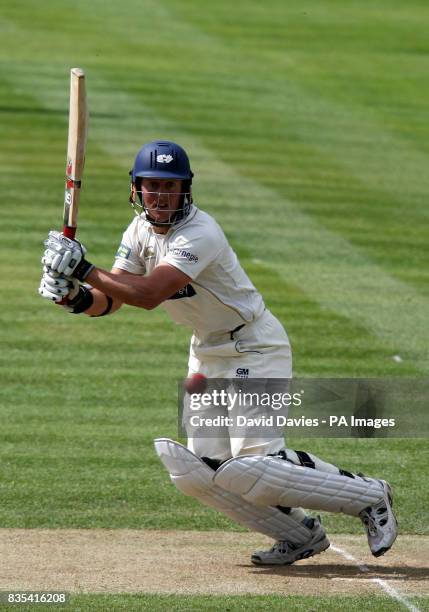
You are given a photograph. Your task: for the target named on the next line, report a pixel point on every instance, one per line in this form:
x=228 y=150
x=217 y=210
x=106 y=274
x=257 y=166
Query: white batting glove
x=65 y=256
x=56 y=287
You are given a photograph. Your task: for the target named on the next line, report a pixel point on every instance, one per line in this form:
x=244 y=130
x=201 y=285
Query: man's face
x=161 y=197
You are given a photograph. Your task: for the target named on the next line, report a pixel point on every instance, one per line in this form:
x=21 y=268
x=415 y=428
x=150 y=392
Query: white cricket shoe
x=285 y=553
x=380 y=523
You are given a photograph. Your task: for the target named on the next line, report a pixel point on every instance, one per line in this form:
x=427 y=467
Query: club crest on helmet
x=164 y=159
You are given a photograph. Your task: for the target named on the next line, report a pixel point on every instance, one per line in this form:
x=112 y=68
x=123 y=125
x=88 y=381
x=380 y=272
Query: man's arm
x=66 y=258
x=141 y=291
x=100 y=300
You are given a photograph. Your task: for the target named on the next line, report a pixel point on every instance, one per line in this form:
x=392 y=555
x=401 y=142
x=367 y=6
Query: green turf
x=307 y=128
x=232 y=603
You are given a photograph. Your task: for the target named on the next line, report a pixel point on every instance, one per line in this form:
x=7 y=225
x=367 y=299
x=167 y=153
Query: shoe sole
x=384 y=549
x=317 y=548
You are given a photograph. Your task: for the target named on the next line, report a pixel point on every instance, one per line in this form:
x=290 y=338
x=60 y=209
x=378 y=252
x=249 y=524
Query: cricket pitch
x=192 y=562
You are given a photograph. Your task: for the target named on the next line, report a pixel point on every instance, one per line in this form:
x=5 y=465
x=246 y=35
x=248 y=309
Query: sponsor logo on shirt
x=123 y=251
x=242 y=373
x=186 y=292
x=182 y=253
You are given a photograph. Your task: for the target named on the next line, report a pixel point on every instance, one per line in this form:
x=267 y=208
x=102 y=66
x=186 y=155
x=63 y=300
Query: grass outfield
x=232 y=604
x=308 y=132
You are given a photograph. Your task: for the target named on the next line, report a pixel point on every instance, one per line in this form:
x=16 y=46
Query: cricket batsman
x=175 y=255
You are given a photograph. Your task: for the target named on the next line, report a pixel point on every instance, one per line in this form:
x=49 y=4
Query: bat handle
x=69 y=232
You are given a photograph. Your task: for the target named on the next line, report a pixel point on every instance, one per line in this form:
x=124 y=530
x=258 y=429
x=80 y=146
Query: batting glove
x=66 y=256
x=56 y=287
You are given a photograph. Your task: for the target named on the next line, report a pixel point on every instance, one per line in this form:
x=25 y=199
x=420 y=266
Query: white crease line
x=393 y=593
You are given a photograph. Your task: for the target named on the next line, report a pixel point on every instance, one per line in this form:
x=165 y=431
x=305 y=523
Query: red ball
x=197 y=383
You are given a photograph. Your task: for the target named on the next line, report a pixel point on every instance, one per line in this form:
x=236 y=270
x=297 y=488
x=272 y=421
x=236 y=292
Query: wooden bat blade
x=77 y=135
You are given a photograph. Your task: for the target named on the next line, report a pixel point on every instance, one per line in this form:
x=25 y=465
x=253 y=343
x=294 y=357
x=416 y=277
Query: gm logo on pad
x=242 y=372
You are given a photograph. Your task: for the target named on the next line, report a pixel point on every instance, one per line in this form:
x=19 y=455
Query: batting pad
x=193 y=477
x=277 y=482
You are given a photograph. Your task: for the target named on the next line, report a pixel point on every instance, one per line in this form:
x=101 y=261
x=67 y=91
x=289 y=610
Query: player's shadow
x=334 y=570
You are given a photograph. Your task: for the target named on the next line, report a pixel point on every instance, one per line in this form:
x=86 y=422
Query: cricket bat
x=78 y=129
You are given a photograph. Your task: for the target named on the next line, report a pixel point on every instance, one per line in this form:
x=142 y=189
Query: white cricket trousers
x=260 y=349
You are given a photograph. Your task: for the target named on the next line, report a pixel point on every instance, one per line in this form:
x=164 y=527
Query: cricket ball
x=197 y=383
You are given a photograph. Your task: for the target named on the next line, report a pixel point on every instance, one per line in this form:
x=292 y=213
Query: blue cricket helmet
x=162 y=159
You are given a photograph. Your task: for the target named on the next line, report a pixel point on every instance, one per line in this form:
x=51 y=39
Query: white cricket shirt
x=220 y=296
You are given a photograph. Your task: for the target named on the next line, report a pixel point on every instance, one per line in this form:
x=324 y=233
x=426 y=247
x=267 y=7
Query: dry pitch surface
x=190 y=562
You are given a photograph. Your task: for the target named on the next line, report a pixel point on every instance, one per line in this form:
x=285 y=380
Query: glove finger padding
x=62 y=254
x=57 y=262
x=50 y=293
x=55 y=287
x=60 y=283
x=62 y=261
x=66 y=256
